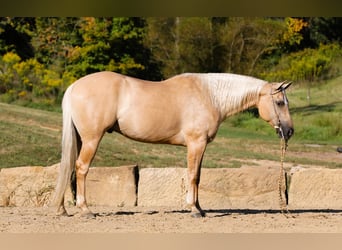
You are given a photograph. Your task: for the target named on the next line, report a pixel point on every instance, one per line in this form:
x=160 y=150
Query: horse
x=184 y=110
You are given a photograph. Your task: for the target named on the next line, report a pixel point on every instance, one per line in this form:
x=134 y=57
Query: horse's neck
x=231 y=110
x=231 y=94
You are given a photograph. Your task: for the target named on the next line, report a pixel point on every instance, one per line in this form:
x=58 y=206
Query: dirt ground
x=168 y=220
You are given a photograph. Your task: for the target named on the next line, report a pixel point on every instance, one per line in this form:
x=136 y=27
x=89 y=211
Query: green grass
x=320 y=122
x=32 y=137
x=28 y=136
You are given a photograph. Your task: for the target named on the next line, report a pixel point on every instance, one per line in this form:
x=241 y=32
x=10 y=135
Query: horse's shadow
x=228 y=212
x=123 y=213
x=224 y=212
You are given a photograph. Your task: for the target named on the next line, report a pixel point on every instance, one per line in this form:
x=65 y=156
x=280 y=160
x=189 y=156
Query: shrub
x=307 y=65
x=30 y=80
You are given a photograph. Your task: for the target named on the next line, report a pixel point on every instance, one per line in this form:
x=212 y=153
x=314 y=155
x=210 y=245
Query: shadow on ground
x=225 y=212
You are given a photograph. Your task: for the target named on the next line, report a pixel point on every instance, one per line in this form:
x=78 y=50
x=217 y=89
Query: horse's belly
x=148 y=131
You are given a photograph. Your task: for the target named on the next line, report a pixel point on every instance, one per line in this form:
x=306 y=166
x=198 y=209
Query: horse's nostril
x=290 y=132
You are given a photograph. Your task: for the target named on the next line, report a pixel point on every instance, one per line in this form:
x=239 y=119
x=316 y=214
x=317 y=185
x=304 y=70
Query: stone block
x=28 y=186
x=34 y=186
x=315 y=188
x=240 y=188
x=112 y=186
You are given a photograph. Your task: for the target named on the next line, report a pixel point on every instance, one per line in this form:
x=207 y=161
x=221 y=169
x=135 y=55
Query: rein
x=282 y=179
x=283 y=148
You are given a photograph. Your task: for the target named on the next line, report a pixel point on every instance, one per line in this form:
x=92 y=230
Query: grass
x=32 y=137
x=320 y=122
x=28 y=136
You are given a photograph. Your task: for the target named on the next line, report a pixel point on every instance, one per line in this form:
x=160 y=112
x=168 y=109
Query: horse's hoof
x=88 y=215
x=198 y=215
x=339 y=149
x=62 y=212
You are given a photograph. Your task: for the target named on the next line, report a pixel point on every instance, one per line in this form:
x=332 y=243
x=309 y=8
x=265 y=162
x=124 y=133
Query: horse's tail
x=70 y=151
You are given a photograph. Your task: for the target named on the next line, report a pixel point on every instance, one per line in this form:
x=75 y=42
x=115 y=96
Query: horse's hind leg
x=87 y=153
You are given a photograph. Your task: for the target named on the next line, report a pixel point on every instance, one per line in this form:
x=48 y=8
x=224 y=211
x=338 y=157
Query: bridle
x=286 y=103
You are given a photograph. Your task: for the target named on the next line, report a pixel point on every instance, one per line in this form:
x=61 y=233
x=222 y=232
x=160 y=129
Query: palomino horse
x=185 y=110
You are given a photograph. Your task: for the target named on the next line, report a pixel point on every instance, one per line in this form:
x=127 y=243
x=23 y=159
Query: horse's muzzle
x=284 y=132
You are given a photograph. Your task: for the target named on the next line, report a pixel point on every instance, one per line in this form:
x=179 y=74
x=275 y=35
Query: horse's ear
x=281 y=86
x=286 y=85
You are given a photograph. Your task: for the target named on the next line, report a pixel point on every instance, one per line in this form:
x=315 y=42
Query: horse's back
x=97 y=81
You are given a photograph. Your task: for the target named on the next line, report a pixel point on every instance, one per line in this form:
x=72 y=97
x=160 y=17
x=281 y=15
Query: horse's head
x=273 y=107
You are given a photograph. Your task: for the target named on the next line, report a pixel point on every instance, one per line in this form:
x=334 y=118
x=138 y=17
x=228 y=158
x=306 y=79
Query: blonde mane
x=231 y=93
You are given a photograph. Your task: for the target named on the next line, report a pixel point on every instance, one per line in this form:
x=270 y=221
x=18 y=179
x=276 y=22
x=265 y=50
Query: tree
x=114 y=44
x=40 y=57
x=162 y=39
x=245 y=41
x=322 y=30
x=184 y=44
x=129 y=53
x=212 y=44
x=54 y=39
x=196 y=41
x=15 y=36
x=293 y=36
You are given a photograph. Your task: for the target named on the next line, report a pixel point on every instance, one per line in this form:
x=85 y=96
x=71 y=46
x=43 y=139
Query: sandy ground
x=168 y=220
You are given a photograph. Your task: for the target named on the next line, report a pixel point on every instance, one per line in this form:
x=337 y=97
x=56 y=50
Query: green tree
x=15 y=36
x=322 y=30
x=247 y=41
x=54 y=39
x=196 y=44
x=40 y=57
x=162 y=38
x=212 y=44
x=184 y=44
x=129 y=53
x=310 y=32
x=114 y=44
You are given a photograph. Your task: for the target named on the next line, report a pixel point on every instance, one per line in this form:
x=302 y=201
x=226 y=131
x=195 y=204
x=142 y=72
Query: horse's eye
x=280 y=103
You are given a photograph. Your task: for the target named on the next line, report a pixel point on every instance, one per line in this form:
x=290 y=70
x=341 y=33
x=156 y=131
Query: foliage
x=162 y=39
x=41 y=56
x=307 y=65
x=322 y=30
x=15 y=36
x=247 y=40
x=293 y=33
x=113 y=44
x=211 y=44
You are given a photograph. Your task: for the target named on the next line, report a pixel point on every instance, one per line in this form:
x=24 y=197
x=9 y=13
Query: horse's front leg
x=194 y=158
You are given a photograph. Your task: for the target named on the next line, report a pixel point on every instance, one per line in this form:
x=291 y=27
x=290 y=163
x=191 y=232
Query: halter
x=286 y=103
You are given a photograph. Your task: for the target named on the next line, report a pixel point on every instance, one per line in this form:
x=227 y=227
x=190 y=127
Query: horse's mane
x=231 y=93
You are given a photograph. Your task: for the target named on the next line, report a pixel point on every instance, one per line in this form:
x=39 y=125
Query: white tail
x=69 y=151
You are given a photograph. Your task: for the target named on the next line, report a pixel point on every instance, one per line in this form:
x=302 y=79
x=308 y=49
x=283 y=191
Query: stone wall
x=224 y=188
